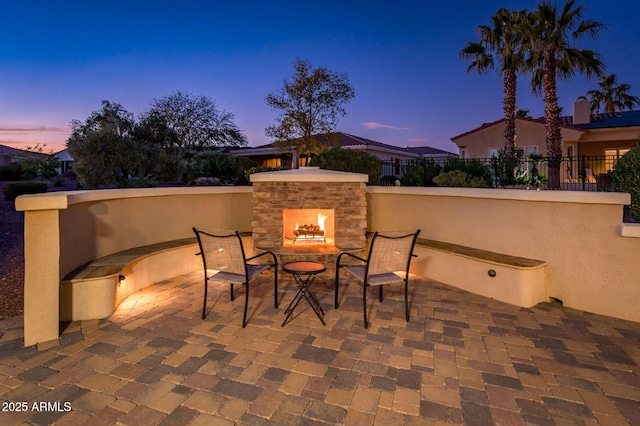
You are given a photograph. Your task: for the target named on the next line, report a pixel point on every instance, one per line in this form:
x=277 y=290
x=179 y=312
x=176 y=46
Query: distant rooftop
x=347 y=140
x=605 y=120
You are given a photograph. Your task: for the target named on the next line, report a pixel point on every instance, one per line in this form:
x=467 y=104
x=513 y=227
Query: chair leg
x=232 y=296
x=335 y=303
x=275 y=287
x=204 y=303
x=406 y=299
x=246 y=304
x=380 y=294
x=364 y=305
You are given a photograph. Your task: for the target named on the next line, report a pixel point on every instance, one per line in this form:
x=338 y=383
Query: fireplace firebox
x=308 y=226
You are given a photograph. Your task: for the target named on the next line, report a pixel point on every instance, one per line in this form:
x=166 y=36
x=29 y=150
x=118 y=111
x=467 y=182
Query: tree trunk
x=552 y=120
x=510 y=86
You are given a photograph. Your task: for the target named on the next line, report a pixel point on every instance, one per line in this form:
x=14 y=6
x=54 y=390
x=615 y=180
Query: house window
x=463 y=153
x=302 y=162
x=611 y=156
x=273 y=162
x=530 y=150
x=493 y=152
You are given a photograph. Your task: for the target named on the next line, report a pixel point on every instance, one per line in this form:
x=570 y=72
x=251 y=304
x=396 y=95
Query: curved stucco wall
x=64 y=230
x=97 y=223
x=591 y=265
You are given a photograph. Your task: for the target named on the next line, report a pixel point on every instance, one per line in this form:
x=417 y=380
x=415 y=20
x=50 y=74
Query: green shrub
x=505 y=169
x=58 y=181
x=15 y=189
x=627 y=179
x=419 y=173
x=472 y=167
x=350 y=160
x=259 y=169
x=227 y=168
x=137 y=182
x=460 y=179
x=37 y=163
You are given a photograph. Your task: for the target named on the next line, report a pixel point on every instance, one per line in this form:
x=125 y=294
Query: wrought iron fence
x=578 y=173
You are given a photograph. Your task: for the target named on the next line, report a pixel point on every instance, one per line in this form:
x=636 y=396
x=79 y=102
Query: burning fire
x=321 y=219
x=312 y=232
x=319 y=227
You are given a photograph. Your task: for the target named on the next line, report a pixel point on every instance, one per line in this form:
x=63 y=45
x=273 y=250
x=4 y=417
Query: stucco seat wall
x=95 y=290
x=65 y=230
x=592 y=258
x=510 y=279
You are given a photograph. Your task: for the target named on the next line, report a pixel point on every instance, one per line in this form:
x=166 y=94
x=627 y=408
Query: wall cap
x=630 y=230
x=308 y=174
x=578 y=197
x=63 y=199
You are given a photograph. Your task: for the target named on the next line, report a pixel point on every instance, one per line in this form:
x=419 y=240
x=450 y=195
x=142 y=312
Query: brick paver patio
x=462 y=359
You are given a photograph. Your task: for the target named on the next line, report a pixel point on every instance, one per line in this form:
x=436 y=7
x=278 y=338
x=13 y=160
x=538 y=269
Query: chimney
x=581 y=112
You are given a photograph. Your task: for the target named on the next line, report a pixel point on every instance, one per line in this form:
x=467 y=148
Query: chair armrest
x=351 y=255
x=275 y=260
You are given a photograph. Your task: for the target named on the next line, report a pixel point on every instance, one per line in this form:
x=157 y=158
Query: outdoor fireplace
x=289 y=207
x=308 y=226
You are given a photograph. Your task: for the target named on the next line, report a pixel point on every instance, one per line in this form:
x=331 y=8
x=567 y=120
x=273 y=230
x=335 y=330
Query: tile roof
x=605 y=120
x=428 y=151
x=493 y=123
x=348 y=140
x=10 y=151
x=4 y=149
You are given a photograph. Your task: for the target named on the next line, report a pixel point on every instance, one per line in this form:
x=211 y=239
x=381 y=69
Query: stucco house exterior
x=271 y=155
x=606 y=136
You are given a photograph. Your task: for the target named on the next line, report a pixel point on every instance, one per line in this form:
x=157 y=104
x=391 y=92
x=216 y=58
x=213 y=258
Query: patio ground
x=461 y=359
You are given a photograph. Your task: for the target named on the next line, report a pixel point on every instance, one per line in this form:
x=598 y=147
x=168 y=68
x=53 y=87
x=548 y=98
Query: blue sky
x=58 y=60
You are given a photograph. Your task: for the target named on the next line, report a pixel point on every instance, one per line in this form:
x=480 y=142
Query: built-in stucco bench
x=94 y=290
x=511 y=279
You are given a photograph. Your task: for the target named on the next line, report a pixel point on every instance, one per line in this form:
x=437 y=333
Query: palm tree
x=502 y=42
x=551 y=54
x=614 y=96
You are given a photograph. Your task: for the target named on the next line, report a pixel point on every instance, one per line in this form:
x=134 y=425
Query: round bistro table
x=304 y=273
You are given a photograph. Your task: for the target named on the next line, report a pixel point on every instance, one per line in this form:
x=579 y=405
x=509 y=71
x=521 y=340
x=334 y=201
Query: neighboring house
x=432 y=153
x=66 y=161
x=10 y=155
x=273 y=156
x=607 y=136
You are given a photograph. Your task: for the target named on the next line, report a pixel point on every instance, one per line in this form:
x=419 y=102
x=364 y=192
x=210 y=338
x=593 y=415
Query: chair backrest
x=222 y=250
x=391 y=252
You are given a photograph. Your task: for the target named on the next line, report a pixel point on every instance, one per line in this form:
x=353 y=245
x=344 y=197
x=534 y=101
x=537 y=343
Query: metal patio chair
x=224 y=259
x=387 y=262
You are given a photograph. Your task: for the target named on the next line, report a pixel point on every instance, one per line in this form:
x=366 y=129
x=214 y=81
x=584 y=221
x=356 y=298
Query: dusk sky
x=58 y=60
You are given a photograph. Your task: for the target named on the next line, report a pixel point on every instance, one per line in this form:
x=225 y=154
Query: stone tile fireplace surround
x=341 y=193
